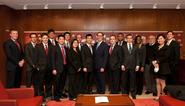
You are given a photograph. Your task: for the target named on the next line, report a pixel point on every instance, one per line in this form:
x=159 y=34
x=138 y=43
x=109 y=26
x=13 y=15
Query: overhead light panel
x=131 y=6
x=46 y=6
x=25 y=7
x=178 y=6
x=155 y=6
x=70 y=6
x=102 y=6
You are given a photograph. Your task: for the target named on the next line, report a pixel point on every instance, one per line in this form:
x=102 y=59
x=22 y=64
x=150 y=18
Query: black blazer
x=115 y=58
x=150 y=53
x=162 y=58
x=44 y=62
x=57 y=59
x=13 y=54
x=122 y=43
x=130 y=60
x=142 y=55
x=49 y=42
x=174 y=48
x=100 y=56
x=87 y=58
x=30 y=56
x=74 y=60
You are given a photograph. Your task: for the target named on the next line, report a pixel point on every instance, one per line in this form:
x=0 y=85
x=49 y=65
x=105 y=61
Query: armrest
x=19 y=93
x=7 y=102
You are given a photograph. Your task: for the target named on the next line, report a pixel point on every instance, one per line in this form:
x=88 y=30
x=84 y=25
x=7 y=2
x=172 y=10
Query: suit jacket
x=13 y=53
x=49 y=42
x=115 y=58
x=150 y=53
x=44 y=61
x=131 y=60
x=142 y=55
x=100 y=56
x=57 y=58
x=74 y=60
x=87 y=58
x=122 y=43
x=174 y=52
x=162 y=58
x=30 y=56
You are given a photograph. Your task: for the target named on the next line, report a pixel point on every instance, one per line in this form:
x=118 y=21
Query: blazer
x=100 y=55
x=44 y=61
x=131 y=60
x=162 y=58
x=87 y=58
x=174 y=48
x=150 y=53
x=74 y=60
x=142 y=55
x=57 y=58
x=13 y=53
x=115 y=58
x=30 y=56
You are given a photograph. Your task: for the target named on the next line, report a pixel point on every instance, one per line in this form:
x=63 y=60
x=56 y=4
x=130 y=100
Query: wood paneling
x=99 y=20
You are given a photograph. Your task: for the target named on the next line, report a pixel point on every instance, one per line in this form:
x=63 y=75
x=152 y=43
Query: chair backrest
x=1 y=85
x=3 y=93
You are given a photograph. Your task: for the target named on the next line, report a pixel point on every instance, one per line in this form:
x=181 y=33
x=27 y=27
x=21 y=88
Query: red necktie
x=18 y=45
x=63 y=55
x=110 y=50
x=46 y=49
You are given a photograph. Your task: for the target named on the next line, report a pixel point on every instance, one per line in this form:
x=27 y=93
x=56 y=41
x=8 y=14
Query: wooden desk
x=114 y=100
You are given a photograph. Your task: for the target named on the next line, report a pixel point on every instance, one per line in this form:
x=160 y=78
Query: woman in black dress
x=161 y=65
x=75 y=65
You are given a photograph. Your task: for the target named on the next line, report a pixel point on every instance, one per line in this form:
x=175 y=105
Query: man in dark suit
x=129 y=67
x=67 y=39
x=100 y=62
x=59 y=62
x=52 y=36
x=114 y=64
x=151 y=50
x=14 y=63
x=44 y=65
x=174 y=49
x=30 y=57
x=121 y=39
x=87 y=60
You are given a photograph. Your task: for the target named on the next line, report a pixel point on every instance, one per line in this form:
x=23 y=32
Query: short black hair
x=161 y=35
x=120 y=33
x=51 y=30
x=113 y=36
x=101 y=33
x=88 y=35
x=129 y=35
x=61 y=36
x=12 y=29
x=171 y=32
x=44 y=34
x=32 y=34
x=65 y=33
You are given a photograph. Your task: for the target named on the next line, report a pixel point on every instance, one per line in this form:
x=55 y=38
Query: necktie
x=18 y=45
x=53 y=42
x=130 y=48
x=46 y=49
x=98 y=44
x=110 y=50
x=90 y=47
x=63 y=55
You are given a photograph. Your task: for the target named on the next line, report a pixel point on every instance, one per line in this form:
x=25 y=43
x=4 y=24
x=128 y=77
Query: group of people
x=61 y=64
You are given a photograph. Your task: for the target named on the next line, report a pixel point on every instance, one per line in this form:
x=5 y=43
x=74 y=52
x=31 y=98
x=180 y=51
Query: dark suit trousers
x=73 y=85
x=87 y=82
x=35 y=79
x=14 y=78
x=100 y=82
x=29 y=74
x=115 y=79
x=171 y=79
x=128 y=79
x=48 y=83
x=59 y=83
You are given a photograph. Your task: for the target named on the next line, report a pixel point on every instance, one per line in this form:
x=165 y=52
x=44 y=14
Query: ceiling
x=94 y=4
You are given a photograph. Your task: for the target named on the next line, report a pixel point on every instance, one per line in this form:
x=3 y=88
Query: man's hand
x=102 y=70
x=85 y=69
x=54 y=72
x=122 y=67
x=137 y=68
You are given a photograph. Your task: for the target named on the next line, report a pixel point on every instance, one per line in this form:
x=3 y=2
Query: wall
x=93 y=20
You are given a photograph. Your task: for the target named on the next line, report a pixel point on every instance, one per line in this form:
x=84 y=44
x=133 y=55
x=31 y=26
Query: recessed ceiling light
x=46 y=6
x=70 y=6
x=178 y=6
x=102 y=6
x=25 y=7
x=131 y=6
x=155 y=6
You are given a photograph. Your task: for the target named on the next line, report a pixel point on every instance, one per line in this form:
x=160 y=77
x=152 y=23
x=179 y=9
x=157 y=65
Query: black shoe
x=148 y=92
x=154 y=94
x=64 y=95
x=133 y=97
x=57 y=100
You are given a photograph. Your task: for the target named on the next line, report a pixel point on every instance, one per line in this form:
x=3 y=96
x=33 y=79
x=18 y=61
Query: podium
x=114 y=100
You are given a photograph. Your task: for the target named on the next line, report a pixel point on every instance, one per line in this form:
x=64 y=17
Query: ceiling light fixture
x=25 y=7
x=178 y=6
x=131 y=6
x=70 y=6
x=46 y=6
x=102 y=6
x=155 y=6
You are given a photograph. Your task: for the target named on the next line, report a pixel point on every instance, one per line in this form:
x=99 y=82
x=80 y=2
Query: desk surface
x=114 y=100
